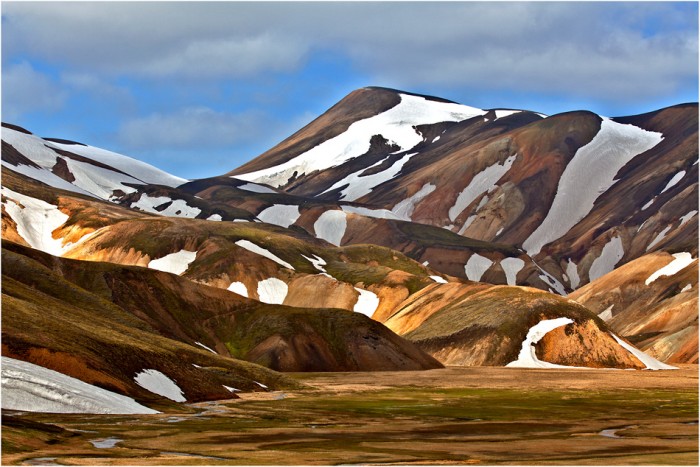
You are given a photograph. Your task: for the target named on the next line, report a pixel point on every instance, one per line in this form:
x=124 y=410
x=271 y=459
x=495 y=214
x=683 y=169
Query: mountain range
x=396 y=231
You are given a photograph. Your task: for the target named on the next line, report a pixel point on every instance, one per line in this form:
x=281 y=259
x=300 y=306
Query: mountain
x=396 y=231
x=579 y=193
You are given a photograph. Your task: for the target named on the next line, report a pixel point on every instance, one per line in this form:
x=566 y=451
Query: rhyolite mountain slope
x=276 y=265
x=653 y=300
x=579 y=193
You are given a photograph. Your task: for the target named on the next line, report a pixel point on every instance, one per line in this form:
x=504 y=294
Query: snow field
x=250 y=246
x=512 y=266
x=680 y=262
x=99 y=181
x=158 y=383
x=527 y=358
x=174 y=263
x=611 y=254
x=588 y=175
x=476 y=266
x=137 y=169
x=404 y=209
x=367 y=302
x=33 y=388
x=330 y=226
x=481 y=183
x=44 y=176
x=283 y=215
x=239 y=288
x=272 y=291
x=395 y=124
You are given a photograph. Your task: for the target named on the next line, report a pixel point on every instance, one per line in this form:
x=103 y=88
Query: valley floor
x=448 y=416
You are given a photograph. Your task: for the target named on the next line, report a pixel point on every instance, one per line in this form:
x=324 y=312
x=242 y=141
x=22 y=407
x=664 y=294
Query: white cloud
x=26 y=90
x=618 y=51
x=199 y=127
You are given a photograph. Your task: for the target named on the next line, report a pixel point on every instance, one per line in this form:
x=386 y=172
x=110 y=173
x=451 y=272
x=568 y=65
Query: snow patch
x=467 y=223
x=230 y=389
x=176 y=208
x=368 y=212
x=175 y=263
x=550 y=280
x=250 y=246
x=438 y=279
x=476 y=266
x=205 y=347
x=505 y=113
x=283 y=215
x=527 y=358
x=572 y=273
x=649 y=203
x=661 y=235
x=367 y=302
x=611 y=254
x=650 y=362
x=215 y=217
x=481 y=183
x=317 y=262
x=239 y=288
x=158 y=383
x=437 y=138
x=396 y=125
x=272 y=291
x=680 y=262
x=590 y=173
x=686 y=288
x=687 y=217
x=512 y=266
x=359 y=185
x=36 y=220
x=260 y=384
x=330 y=226
x=404 y=209
x=255 y=188
x=33 y=388
x=674 y=181
x=606 y=315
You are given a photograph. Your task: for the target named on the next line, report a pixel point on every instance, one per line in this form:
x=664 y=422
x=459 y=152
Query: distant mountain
x=437 y=220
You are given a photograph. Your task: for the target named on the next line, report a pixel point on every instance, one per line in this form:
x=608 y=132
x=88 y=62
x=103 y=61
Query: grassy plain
x=454 y=415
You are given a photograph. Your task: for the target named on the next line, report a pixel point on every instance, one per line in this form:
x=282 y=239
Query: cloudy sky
x=199 y=88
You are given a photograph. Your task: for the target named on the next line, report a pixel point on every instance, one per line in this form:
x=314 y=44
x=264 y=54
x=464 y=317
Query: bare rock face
x=655 y=310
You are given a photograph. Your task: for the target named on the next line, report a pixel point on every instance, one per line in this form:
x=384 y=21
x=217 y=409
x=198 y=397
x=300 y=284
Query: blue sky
x=198 y=88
